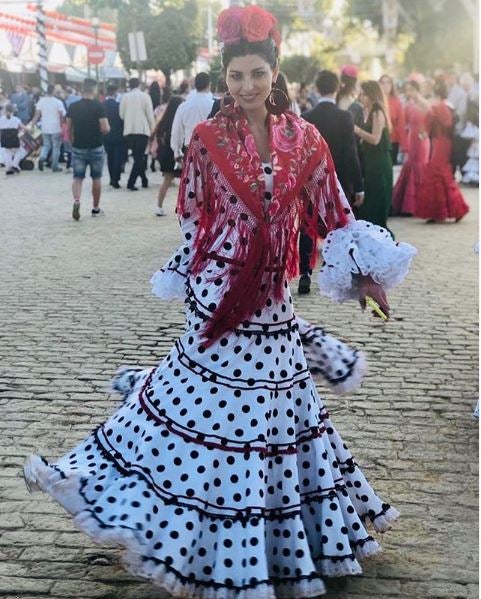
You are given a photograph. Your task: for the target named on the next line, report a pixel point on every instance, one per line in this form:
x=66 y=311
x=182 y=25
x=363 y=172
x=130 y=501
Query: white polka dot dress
x=221 y=474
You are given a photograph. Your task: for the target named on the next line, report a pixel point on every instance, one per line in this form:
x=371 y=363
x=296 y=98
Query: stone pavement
x=76 y=304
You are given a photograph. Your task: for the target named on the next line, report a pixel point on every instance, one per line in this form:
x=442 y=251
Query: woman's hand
x=358 y=199
x=357 y=130
x=368 y=287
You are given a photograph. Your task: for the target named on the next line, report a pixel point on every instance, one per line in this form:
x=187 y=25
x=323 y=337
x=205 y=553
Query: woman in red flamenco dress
x=439 y=197
x=407 y=185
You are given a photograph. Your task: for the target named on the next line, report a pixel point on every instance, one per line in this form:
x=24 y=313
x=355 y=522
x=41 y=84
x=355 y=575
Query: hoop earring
x=277 y=101
x=227 y=104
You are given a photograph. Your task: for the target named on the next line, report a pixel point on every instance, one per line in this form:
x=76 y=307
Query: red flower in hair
x=229 y=25
x=256 y=23
x=252 y=23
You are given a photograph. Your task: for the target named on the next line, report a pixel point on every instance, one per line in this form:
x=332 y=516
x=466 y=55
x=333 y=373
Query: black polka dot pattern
x=221 y=467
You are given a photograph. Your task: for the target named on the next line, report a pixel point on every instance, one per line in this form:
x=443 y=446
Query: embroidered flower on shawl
x=250 y=144
x=289 y=137
x=234 y=196
x=273 y=209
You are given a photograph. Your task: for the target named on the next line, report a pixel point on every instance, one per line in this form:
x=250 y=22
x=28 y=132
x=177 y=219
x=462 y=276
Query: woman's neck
x=257 y=118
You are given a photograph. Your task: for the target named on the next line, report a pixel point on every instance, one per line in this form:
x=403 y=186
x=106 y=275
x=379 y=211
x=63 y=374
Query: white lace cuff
x=168 y=283
x=362 y=248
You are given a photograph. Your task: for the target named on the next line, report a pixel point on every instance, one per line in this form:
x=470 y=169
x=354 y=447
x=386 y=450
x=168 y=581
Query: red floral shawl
x=224 y=156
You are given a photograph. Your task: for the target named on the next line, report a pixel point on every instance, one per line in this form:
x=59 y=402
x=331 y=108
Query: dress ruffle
x=330 y=360
x=362 y=248
x=439 y=197
x=168 y=283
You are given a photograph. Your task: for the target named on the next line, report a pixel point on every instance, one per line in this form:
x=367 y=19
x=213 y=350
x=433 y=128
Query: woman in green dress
x=376 y=155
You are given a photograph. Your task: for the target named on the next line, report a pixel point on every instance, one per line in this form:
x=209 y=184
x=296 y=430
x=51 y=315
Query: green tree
x=300 y=68
x=441 y=31
x=171 y=29
x=170 y=42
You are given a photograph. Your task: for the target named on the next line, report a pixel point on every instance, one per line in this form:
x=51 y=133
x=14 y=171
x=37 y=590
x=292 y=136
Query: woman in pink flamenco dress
x=439 y=198
x=418 y=145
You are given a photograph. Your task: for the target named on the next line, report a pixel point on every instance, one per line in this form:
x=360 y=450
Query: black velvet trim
x=176 y=270
x=348 y=466
x=310 y=339
x=127 y=469
x=218 y=441
x=266 y=331
x=272 y=581
x=371 y=514
x=237 y=383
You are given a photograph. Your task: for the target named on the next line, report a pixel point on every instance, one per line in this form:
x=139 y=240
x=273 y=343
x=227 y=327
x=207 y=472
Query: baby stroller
x=31 y=142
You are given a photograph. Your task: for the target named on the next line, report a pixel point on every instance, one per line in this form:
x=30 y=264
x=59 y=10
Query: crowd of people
x=221 y=474
x=429 y=125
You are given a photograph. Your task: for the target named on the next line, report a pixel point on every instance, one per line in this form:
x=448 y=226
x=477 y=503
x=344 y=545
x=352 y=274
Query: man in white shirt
x=137 y=112
x=51 y=111
x=193 y=111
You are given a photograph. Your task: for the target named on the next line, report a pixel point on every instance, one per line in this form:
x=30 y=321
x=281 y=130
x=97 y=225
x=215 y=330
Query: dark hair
x=111 y=89
x=154 y=93
x=183 y=87
x=413 y=84
x=391 y=81
x=50 y=89
x=347 y=86
x=134 y=82
x=440 y=89
x=265 y=49
x=89 y=86
x=221 y=86
x=283 y=84
x=374 y=92
x=166 y=94
x=201 y=81
x=327 y=82
x=164 y=126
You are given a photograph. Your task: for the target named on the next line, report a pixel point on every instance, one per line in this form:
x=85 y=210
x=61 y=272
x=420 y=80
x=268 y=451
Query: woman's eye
x=259 y=74
x=235 y=76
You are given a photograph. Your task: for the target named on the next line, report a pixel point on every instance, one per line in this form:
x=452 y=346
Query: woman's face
x=410 y=90
x=249 y=79
x=364 y=99
x=386 y=85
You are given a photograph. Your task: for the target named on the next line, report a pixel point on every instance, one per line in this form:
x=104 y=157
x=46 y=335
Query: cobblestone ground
x=76 y=304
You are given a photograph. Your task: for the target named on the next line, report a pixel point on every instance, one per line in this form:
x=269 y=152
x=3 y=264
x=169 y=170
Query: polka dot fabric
x=221 y=473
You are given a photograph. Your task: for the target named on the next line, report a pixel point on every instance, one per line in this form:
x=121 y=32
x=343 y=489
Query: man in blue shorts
x=87 y=123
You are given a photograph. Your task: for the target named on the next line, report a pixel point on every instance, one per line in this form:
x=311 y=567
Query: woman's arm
x=360 y=259
x=378 y=124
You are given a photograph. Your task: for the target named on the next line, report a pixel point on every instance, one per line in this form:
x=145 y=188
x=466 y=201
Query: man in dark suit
x=337 y=127
x=114 y=141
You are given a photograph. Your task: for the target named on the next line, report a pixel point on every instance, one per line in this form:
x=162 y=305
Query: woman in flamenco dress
x=417 y=149
x=221 y=474
x=439 y=197
x=396 y=116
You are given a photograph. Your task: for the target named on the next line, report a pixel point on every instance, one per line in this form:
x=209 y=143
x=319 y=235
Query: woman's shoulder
x=294 y=120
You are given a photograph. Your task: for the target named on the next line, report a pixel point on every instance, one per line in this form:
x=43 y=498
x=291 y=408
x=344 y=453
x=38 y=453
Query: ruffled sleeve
x=362 y=248
x=330 y=360
x=169 y=281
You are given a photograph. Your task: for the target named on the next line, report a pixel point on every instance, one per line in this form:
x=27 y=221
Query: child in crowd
x=11 y=151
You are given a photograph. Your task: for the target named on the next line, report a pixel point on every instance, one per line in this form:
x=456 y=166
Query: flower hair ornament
x=252 y=23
